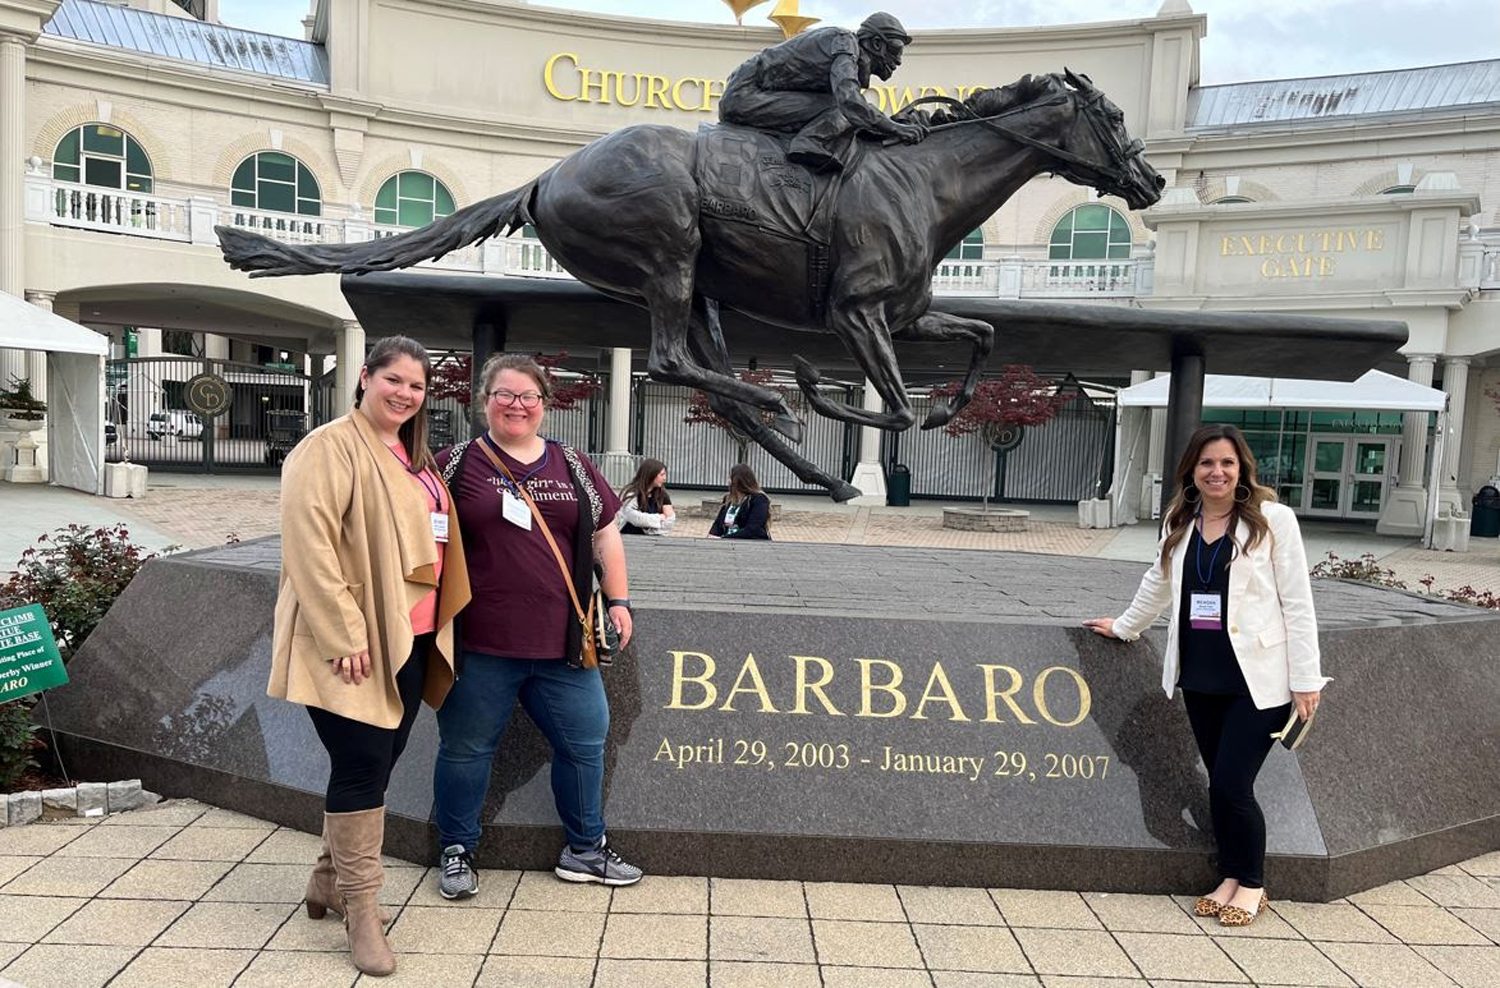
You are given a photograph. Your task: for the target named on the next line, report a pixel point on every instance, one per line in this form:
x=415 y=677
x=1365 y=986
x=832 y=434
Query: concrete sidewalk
x=191 y=896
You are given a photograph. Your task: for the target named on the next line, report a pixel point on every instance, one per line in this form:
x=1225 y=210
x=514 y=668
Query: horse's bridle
x=1115 y=174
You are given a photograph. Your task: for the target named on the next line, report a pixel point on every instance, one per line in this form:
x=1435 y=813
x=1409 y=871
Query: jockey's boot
x=817 y=145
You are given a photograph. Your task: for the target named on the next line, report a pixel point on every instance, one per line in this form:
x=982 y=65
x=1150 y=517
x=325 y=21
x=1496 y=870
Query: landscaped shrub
x=1366 y=569
x=18 y=742
x=75 y=573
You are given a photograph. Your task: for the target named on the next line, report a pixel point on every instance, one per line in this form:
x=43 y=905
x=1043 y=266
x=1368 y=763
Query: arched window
x=98 y=154
x=970 y=249
x=1229 y=200
x=1397 y=190
x=276 y=181
x=1090 y=232
x=412 y=199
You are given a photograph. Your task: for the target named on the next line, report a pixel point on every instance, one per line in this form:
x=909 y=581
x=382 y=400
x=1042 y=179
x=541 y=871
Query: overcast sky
x=1247 y=39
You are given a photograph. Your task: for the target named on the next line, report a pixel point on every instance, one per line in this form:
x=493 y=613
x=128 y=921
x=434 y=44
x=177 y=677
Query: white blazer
x=1271 y=622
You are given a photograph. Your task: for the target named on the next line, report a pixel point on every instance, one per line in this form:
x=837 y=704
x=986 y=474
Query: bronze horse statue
x=626 y=215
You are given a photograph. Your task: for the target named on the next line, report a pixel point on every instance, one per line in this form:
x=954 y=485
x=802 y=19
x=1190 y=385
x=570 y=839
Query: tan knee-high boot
x=354 y=840
x=322 y=896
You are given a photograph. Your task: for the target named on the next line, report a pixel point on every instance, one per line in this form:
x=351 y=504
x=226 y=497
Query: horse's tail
x=263 y=257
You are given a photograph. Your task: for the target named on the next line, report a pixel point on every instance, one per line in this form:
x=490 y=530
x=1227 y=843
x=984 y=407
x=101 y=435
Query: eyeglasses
x=527 y=399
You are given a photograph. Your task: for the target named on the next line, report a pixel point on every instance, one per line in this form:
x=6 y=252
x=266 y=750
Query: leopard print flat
x=1207 y=907
x=1235 y=916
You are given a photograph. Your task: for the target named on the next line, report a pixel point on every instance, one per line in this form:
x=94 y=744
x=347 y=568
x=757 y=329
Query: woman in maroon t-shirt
x=519 y=637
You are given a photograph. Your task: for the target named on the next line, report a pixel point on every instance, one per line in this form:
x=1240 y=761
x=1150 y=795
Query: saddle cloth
x=744 y=180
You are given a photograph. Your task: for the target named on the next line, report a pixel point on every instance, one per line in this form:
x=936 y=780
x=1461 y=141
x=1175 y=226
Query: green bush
x=75 y=573
x=18 y=742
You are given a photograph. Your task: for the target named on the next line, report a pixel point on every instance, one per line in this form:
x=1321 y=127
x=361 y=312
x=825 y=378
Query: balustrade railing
x=117 y=211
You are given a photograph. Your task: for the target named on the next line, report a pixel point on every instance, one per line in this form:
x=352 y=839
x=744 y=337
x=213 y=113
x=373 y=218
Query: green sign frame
x=29 y=659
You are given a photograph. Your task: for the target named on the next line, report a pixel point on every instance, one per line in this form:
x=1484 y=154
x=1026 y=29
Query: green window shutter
x=414 y=212
x=65 y=173
x=444 y=205
x=1091 y=217
x=277 y=196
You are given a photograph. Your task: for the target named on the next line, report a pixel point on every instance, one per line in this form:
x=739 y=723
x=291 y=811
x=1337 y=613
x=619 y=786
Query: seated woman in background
x=645 y=506
x=746 y=512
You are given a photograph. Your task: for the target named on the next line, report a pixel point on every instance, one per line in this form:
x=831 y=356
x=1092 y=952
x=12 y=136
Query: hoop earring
x=1242 y=500
x=1198 y=495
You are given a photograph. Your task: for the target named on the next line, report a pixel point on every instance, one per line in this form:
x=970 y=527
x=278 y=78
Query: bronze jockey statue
x=810 y=86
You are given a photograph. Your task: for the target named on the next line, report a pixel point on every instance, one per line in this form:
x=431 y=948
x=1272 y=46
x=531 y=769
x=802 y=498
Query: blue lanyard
x=435 y=489
x=1203 y=580
x=504 y=480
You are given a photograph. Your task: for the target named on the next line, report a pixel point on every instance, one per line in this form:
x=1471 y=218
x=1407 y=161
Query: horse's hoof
x=788 y=427
x=939 y=414
x=807 y=375
x=842 y=492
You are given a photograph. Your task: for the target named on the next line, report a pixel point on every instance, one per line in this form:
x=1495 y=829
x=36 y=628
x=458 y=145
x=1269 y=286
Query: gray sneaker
x=459 y=880
x=601 y=865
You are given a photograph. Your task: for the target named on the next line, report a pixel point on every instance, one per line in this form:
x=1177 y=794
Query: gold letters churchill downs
x=879 y=688
x=569 y=81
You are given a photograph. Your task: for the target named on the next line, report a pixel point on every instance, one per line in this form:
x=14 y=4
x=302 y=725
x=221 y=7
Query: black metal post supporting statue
x=681 y=224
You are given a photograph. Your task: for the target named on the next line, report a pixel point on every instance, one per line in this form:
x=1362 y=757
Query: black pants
x=362 y=755
x=1234 y=739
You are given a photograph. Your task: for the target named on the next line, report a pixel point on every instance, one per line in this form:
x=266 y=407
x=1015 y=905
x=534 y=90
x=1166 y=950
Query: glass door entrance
x=1348 y=478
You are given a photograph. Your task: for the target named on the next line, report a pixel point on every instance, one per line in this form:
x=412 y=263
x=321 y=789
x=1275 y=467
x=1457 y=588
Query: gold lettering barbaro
x=569 y=81
x=1058 y=695
x=1304 y=254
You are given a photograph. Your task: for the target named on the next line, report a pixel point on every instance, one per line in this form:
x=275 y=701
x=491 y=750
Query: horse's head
x=1099 y=151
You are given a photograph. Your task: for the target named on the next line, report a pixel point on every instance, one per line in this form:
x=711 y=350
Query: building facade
x=130 y=130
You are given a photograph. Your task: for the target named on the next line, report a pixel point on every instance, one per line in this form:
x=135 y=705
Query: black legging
x=1234 y=738
x=361 y=755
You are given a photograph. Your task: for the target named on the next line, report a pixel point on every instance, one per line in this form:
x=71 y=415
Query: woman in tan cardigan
x=372 y=575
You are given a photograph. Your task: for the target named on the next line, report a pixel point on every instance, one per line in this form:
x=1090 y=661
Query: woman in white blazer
x=1242 y=643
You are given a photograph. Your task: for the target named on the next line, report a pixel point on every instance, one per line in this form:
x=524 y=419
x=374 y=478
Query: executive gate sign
x=926 y=717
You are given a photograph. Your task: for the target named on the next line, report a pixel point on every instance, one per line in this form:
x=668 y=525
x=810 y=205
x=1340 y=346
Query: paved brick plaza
x=187 y=895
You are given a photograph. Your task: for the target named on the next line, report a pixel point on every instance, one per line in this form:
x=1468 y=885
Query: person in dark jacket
x=746 y=511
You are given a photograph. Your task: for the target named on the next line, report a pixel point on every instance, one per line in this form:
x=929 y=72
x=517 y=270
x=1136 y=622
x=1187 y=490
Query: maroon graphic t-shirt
x=521 y=606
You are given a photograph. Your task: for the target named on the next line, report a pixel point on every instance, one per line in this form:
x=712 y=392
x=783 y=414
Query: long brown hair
x=742 y=483
x=413 y=432
x=641 y=484
x=1249 y=495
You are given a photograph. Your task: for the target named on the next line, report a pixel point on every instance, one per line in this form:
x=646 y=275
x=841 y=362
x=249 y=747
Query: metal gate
x=261 y=413
x=1063 y=461
x=699 y=455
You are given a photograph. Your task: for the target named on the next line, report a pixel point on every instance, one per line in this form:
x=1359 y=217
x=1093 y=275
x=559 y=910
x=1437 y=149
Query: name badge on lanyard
x=514 y=510
x=1206 y=611
x=439 y=525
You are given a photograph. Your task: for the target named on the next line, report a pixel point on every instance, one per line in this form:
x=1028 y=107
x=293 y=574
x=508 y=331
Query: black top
x=750 y=521
x=1208 y=662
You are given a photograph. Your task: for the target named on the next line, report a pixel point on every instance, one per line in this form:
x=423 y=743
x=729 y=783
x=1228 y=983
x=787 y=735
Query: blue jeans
x=566 y=703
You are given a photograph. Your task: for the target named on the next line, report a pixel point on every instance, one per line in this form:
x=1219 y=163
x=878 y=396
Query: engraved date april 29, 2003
x=755 y=753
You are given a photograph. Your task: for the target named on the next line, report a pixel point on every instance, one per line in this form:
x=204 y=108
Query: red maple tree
x=452 y=374
x=1019 y=396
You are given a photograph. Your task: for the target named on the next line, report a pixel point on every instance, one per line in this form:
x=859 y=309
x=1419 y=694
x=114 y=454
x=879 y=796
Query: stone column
x=36 y=360
x=869 y=476
x=349 y=344
x=12 y=187
x=1456 y=383
x=1405 y=511
x=618 y=463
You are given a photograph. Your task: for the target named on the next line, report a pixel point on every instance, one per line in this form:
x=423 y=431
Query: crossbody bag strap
x=536 y=513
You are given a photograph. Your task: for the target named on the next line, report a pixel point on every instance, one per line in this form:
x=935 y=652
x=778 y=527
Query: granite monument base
x=854 y=714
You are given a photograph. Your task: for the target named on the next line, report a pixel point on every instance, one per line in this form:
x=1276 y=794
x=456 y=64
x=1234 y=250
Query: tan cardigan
x=357 y=554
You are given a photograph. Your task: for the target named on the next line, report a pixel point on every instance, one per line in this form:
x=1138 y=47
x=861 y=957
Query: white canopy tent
x=1373 y=391
x=75 y=388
